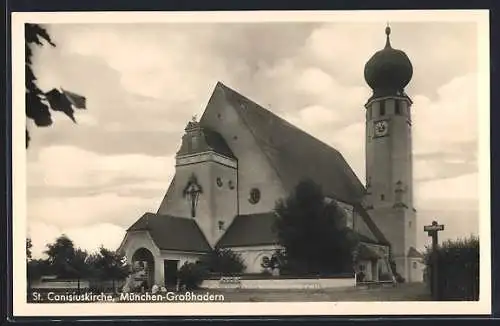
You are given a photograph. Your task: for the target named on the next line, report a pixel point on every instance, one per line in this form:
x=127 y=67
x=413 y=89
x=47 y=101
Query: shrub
x=458 y=273
x=276 y=261
x=191 y=275
x=224 y=262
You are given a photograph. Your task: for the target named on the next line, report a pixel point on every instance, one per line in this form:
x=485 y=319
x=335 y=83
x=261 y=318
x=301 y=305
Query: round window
x=254 y=196
x=219 y=182
x=265 y=261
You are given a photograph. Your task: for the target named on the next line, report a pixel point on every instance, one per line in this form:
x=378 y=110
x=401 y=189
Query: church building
x=239 y=159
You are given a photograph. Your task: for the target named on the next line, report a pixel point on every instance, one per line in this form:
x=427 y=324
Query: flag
x=78 y=101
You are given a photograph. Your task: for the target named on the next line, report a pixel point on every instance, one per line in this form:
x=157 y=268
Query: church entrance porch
x=143 y=258
x=170 y=268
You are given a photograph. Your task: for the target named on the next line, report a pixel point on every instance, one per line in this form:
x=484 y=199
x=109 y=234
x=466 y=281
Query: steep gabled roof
x=294 y=154
x=250 y=230
x=414 y=253
x=172 y=233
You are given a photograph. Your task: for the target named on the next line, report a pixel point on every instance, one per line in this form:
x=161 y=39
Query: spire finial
x=387 y=33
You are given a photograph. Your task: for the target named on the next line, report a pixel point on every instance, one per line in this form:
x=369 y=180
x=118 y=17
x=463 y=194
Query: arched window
x=397 y=107
x=382 y=108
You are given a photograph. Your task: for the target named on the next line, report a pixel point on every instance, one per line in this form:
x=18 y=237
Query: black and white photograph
x=251 y=163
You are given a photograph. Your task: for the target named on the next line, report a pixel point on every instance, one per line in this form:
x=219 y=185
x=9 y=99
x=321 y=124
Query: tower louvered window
x=398 y=107
x=382 y=108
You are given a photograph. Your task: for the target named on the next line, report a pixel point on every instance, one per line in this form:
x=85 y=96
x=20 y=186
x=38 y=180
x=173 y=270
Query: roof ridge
x=286 y=122
x=257 y=107
x=239 y=113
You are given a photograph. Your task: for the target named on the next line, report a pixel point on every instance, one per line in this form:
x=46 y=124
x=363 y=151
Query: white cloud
x=451 y=118
x=344 y=48
x=73 y=211
x=314 y=81
x=69 y=166
x=459 y=188
x=156 y=62
x=424 y=169
x=88 y=238
x=313 y=116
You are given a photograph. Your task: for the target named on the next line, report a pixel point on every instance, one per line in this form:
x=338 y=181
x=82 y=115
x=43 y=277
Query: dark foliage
x=38 y=103
x=67 y=262
x=223 y=262
x=107 y=265
x=311 y=231
x=35 y=269
x=64 y=259
x=191 y=275
x=276 y=260
x=458 y=269
x=29 y=245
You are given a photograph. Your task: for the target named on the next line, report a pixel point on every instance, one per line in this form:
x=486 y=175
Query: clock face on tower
x=381 y=128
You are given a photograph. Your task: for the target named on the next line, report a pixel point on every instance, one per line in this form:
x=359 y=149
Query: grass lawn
x=402 y=292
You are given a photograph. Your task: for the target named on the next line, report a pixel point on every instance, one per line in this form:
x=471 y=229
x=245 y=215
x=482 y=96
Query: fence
x=74 y=284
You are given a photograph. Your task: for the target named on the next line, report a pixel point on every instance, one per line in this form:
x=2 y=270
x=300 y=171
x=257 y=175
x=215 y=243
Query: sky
x=144 y=82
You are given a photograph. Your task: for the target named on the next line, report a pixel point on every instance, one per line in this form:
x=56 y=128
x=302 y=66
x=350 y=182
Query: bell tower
x=389 y=170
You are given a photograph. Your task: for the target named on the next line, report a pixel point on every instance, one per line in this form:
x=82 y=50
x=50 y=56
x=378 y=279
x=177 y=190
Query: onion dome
x=389 y=70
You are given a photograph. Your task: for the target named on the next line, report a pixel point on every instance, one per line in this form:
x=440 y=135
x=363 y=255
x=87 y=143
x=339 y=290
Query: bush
x=224 y=262
x=191 y=275
x=458 y=269
x=275 y=262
